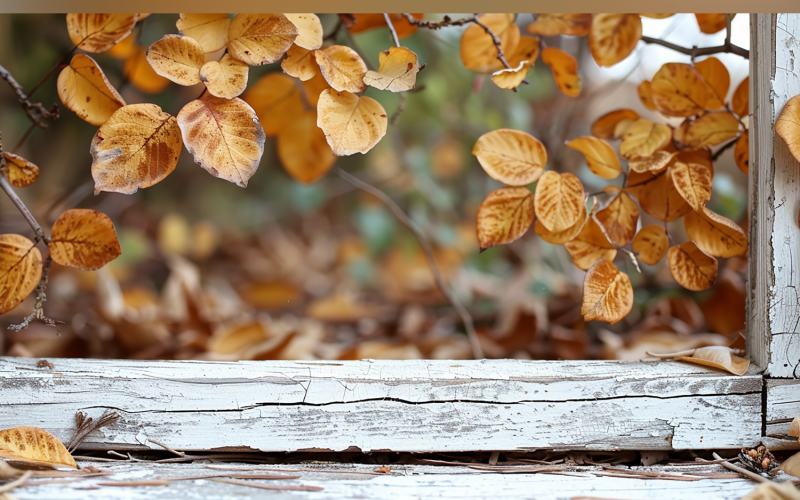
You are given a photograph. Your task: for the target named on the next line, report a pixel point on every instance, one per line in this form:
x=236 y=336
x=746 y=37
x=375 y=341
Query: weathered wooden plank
x=773 y=301
x=370 y=405
x=783 y=404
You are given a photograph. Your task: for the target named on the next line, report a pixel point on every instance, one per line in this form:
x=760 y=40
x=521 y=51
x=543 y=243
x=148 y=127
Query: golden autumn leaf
x=680 y=90
x=84 y=239
x=141 y=75
x=740 y=102
x=645 y=91
x=741 y=152
x=788 y=125
x=19 y=171
x=565 y=70
x=558 y=200
x=527 y=50
x=513 y=77
x=478 y=52
x=715 y=235
x=351 y=124
x=653 y=163
x=309 y=30
x=85 y=90
x=210 y=30
x=224 y=137
x=561 y=24
x=710 y=129
x=693 y=182
x=512 y=157
x=342 y=68
x=643 y=138
x=504 y=216
x=313 y=88
x=276 y=100
x=124 y=48
x=600 y=156
x=231 y=338
x=303 y=150
x=300 y=63
x=607 y=293
x=657 y=195
x=99 y=32
x=561 y=237
x=716 y=76
x=177 y=58
x=20 y=270
x=34 y=446
x=136 y=148
x=650 y=244
x=397 y=72
x=225 y=78
x=259 y=39
x=613 y=37
x=692 y=268
x=711 y=23
x=361 y=23
x=613 y=124
x=590 y=245
x=619 y=218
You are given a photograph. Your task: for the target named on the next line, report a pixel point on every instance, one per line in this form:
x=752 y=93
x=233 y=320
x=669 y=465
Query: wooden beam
x=370 y=405
x=783 y=404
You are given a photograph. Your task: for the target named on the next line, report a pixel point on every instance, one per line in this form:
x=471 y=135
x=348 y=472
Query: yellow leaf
x=644 y=138
x=34 y=446
x=590 y=245
x=85 y=90
x=300 y=63
x=137 y=147
x=210 y=30
x=619 y=219
x=561 y=237
x=711 y=23
x=740 y=102
x=606 y=127
x=352 y=124
x=561 y=24
x=224 y=137
x=645 y=91
x=715 y=235
x=709 y=130
x=741 y=152
x=716 y=76
x=124 y=48
x=84 y=239
x=309 y=30
x=397 y=72
x=99 y=32
x=512 y=157
x=693 y=182
x=511 y=78
x=342 y=68
x=139 y=72
x=527 y=50
x=650 y=244
x=692 y=268
x=653 y=163
x=303 y=150
x=657 y=195
x=178 y=58
x=613 y=37
x=607 y=293
x=276 y=100
x=565 y=70
x=174 y=235
x=504 y=216
x=226 y=78
x=788 y=126
x=19 y=171
x=680 y=90
x=259 y=39
x=600 y=156
x=558 y=200
x=20 y=270
x=478 y=52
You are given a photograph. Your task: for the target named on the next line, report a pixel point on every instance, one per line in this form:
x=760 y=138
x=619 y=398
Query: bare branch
x=445 y=22
x=35 y=111
x=401 y=106
x=700 y=51
x=392 y=30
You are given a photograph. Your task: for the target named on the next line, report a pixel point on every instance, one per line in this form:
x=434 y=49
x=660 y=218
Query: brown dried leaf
x=19 y=171
x=794 y=429
x=645 y=91
x=561 y=237
x=558 y=200
x=692 y=268
x=607 y=293
x=606 y=126
x=788 y=125
x=613 y=37
x=653 y=163
x=34 y=446
x=741 y=152
x=790 y=466
x=226 y=78
x=84 y=239
x=644 y=138
x=512 y=157
x=85 y=90
x=680 y=90
x=210 y=30
x=342 y=68
x=711 y=23
x=99 y=32
x=361 y=23
x=20 y=270
x=303 y=150
x=397 y=72
x=478 y=52
x=716 y=76
x=504 y=216
x=600 y=156
x=717 y=356
x=565 y=70
x=177 y=58
x=657 y=195
x=351 y=124
x=590 y=245
x=709 y=130
x=619 y=219
x=232 y=338
x=693 y=182
x=740 y=102
x=561 y=24
x=650 y=244
x=259 y=39
x=715 y=235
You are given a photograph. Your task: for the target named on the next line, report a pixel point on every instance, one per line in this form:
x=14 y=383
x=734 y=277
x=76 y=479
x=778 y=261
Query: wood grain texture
x=371 y=405
x=783 y=404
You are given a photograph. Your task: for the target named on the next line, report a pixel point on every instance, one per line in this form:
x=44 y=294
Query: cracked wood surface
x=783 y=404
x=370 y=405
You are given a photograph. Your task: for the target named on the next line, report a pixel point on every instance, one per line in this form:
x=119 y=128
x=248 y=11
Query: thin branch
x=16 y=483
x=445 y=22
x=6 y=186
x=391 y=29
x=35 y=111
x=41 y=298
x=469 y=326
x=744 y=472
x=496 y=41
x=401 y=106
x=724 y=148
x=700 y=51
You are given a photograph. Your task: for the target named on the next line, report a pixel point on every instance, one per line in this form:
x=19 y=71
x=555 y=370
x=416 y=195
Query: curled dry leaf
x=136 y=148
x=303 y=150
x=619 y=219
x=692 y=268
x=711 y=23
x=680 y=90
x=613 y=37
x=715 y=235
x=558 y=200
x=693 y=182
x=177 y=58
x=590 y=245
x=226 y=78
x=645 y=91
x=715 y=356
x=397 y=72
x=20 y=270
x=709 y=130
x=607 y=293
x=85 y=90
x=741 y=152
x=643 y=138
x=342 y=68
x=561 y=237
x=224 y=137
x=504 y=216
x=650 y=244
x=478 y=51
x=565 y=70
x=99 y=32
x=716 y=76
x=512 y=157
x=788 y=125
x=600 y=156
x=34 y=446
x=141 y=75
x=513 y=77
x=210 y=30
x=527 y=50
x=351 y=124
x=309 y=30
x=794 y=428
x=300 y=63
x=653 y=163
x=613 y=124
x=657 y=195
x=260 y=38
x=19 y=171
x=561 y=24
x=84 y=239
x=740 y=102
